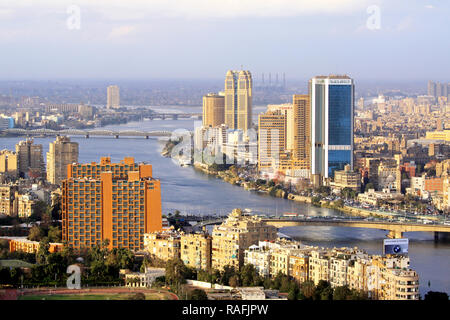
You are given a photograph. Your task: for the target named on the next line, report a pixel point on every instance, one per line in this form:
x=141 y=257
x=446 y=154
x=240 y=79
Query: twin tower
x=238 y=100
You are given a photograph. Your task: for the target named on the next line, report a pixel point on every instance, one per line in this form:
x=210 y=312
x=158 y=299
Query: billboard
x=395 y=246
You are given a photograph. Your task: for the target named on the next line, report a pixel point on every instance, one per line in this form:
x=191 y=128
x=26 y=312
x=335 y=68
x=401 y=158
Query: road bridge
x=87 y=133
x=395 y=229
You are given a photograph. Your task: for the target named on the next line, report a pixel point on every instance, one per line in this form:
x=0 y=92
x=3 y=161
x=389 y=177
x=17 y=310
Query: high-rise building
x=238 y=100
x=271 y=138
x=213 y=110
x=301 y=128
x=115 y=201
x=332 y=107
x=113 y=97
x=431 y=88
x=30 y=158
x=61 y=153
x=235 y=235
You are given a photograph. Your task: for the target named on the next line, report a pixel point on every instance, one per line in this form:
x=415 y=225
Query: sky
x=192 y=39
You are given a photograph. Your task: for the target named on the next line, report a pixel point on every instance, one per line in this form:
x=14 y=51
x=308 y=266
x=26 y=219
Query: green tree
x=369 y=186
x=54 y=234
x=227 y=272
x=234 y=281
x=198 y=294
x=249 y=276
x=348 y=193
x=176 y=272
x=342 y=293
x=294 y=291
x=307 y=290
x=437 y=296
x=323 y=291
x=43 y=252
x=36 y=233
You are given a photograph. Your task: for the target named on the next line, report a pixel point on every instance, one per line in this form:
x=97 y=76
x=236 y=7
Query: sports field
x=120 y=296
x=94 y=294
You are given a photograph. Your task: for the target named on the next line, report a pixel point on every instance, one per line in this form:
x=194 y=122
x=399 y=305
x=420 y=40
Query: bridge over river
x=395 y=229
x=87 y=133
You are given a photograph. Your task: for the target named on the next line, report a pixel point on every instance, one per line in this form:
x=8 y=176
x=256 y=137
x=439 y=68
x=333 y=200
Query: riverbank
x=228 y=176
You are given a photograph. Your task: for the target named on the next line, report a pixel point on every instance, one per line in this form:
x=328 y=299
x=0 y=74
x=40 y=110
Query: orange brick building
x=434 y=184
x=115 y=201
x=22 y=244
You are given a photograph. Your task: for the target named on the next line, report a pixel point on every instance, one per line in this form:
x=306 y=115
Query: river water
x=191 y=191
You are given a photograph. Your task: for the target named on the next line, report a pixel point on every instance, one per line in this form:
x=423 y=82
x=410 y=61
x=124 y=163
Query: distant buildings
x=62 y=152
x=437 y=89
x=115 y=201
x=113 y=97
x=438 y=135
x=6 y=122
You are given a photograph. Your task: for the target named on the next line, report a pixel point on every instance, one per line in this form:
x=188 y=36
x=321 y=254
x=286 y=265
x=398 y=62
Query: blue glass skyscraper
x=332 y=105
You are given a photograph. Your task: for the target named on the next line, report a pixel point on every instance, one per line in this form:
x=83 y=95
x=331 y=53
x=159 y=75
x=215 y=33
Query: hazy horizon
x=198 y=39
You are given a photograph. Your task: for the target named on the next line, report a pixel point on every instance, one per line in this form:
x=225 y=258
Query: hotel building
x=115 y=201
x=238 y=100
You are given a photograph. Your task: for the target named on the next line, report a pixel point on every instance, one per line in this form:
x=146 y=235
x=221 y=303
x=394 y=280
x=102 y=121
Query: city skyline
x=152 y=40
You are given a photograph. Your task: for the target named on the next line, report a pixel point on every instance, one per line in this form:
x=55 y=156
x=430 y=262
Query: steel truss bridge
x=87 y=133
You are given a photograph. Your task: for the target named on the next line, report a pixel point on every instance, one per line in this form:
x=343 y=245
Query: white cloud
x=429 y=6
x=137 y=9
x=404 y=24
x=121 y=31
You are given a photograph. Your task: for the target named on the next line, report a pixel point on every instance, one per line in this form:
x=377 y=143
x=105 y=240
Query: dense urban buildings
x=62 y=152
x=234 y=235
x=119 y=202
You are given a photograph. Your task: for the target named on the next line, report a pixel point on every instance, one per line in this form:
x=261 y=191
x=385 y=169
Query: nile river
x=190 y=191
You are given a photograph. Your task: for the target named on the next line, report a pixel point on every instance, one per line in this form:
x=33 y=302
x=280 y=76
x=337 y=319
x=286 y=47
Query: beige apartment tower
x=9 y=163
x=271 y=138
x=238 y=100
x=235 y=235
x=113 y=97
x=213 y=110
x=62 y=152
x=30 y=158
x=301 y=123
